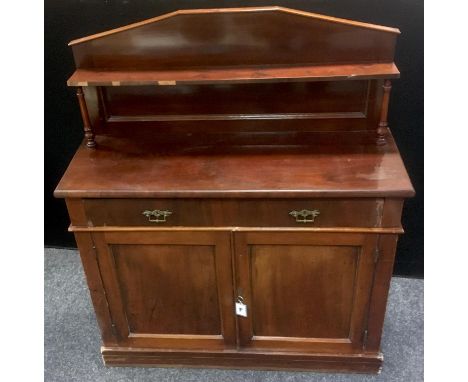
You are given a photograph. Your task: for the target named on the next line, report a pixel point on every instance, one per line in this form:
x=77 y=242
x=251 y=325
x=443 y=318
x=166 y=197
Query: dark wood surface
x=364 y=212
x=313 y=165
x=169 y=289
x=263 y=360
x=176 y=302
x=100 y=77
x=264 y=111
x=277 y=312
x=163 y=103
x=237 y=46
x=318 y=106
x=306 y=292
x=236 y=37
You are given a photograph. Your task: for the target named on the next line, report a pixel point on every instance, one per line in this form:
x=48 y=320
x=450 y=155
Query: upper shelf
x=235 y=45
x=89 y=77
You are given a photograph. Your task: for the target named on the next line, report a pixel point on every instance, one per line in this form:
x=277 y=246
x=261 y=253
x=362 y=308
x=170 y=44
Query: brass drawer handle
x=157 y=216
x=305 y=216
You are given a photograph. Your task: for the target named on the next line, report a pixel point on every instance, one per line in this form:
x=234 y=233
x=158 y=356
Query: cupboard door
x=169 y=289
x=304 y=291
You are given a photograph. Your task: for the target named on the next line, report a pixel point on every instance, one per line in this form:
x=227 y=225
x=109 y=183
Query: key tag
x=241 y=308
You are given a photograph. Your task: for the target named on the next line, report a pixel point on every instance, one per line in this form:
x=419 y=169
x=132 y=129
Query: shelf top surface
x=237 y=166
x=98 y=77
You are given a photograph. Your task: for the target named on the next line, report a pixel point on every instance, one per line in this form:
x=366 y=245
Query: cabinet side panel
x=379 y=295
x=76 y=211
x=92 y=272
x=392 y=212
x=96 y=289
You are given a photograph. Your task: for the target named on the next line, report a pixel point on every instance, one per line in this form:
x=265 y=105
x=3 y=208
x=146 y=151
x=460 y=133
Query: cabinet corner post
x=383 y=122
x=87 y=127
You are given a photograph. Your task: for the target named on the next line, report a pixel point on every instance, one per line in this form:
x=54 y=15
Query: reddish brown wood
x=236 y=37
x=101 y=77
x=102 y=104
x=324 y=49
x=329 y=19
x=92 y=273
x=76 y=212
x=383 y=124
x=381 y=284
x=365 y=212
x=263 y=360
x=302 y=165
x=306 y=100
x=152 y=304
x=205 y=47
x=233 y=121
x=88 y=130
x=279 y=272
x=318 y=106
x=391 y=215
x=342 y=230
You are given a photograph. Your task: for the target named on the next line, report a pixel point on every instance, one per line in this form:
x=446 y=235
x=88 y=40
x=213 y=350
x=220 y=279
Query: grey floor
x=72 y=338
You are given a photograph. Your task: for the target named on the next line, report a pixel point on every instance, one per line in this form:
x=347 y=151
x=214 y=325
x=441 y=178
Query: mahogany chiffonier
x=237 y=197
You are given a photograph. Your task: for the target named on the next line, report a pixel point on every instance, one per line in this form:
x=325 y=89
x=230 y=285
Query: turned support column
x=88 y=130
x=383 y=123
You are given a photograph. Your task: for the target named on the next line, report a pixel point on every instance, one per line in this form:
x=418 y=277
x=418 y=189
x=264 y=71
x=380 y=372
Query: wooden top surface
x=238 y=166
x=85 y=77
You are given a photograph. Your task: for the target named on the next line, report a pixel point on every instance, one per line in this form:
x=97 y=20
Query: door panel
x=149 y=275
x=289 y=276
x=169 y=289
x=304 y=291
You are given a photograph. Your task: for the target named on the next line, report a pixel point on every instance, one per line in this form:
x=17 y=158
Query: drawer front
x=235 y=213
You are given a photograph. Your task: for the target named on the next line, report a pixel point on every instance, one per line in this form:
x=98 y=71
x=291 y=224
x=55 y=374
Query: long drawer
x=235 y=213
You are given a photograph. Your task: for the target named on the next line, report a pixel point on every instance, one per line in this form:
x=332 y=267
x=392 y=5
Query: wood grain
x=231 y=119
x=262 y=360
x=380 y=288
x=306 y=292
x=383 y=231
x=327 y=99
x=157 y=299
x=87 y=127
x=351 y=105
x=100 y=77
x=236 y=10
x=87 y=251
x=157 y=294
x=364 y=212
x=314 y=165
x=236 y=37
x=326 y=274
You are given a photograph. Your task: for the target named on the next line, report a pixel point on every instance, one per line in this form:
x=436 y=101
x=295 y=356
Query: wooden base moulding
x=358 y=363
